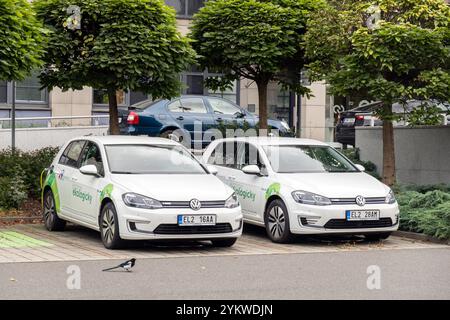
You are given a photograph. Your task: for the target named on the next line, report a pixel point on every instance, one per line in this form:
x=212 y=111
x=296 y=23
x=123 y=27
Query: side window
x=224 y=155
x=175 y=106
x=220 y=106
x=72 y=153
x=92 y=155
x=193 y=105
x=248 y=154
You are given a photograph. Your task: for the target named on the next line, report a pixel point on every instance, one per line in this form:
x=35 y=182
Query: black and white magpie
x=127 y=265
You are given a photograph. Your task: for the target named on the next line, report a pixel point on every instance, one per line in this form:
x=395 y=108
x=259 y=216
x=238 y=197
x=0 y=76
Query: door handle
x=180 y=118
x=219 y=119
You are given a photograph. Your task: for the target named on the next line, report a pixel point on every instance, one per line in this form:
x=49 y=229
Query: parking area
x=33 y=243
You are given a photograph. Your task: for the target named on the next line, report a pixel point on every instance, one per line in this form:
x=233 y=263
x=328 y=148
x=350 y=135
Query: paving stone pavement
x=33 y=243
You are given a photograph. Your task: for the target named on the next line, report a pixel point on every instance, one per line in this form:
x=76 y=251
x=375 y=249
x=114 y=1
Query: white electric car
x=300 y=186
x=138 y=188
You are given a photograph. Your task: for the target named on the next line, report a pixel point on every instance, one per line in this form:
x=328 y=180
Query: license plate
x=197 y=220
x=349 y=120
x=359 y=215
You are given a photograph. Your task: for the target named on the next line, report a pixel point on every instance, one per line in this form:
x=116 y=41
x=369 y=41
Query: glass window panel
x=195 y=84
x=178 y=5
x=30 y=89
x=2 y=91
x=193 y=105
x=175 y=106
x=136 y=97
x=101 y=97
x=194 y=6
x=223 y=107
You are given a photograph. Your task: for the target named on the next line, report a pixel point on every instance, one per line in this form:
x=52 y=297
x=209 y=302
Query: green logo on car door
x=274 y=188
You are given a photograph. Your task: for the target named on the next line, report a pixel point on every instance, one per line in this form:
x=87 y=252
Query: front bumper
x=159 y=224
x=309 y=219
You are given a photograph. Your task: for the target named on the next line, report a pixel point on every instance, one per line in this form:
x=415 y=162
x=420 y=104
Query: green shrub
x=426 y=212
x=13 y=189
x=31 y=164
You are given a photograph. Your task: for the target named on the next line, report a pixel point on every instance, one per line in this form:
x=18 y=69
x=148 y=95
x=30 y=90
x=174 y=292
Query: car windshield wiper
x=122 y=172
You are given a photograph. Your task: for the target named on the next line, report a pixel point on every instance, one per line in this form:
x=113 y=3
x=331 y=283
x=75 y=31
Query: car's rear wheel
x=377 y=236
x=224 y=242
x=276 y=219
x=51 y=220
x=170 y=134
x=109 y=227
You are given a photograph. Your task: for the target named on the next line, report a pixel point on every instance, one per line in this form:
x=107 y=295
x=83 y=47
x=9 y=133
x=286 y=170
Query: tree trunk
x=388 y=148
x=113 y=113
x=262 y=100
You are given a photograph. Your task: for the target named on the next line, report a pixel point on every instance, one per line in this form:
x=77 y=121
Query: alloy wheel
x=49 y=210
x=108 y=226
x=276 y=221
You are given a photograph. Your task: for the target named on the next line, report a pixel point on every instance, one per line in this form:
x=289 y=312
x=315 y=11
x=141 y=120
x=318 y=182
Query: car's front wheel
x=377 y=236
x=109 y=227
x=224 y=242
x=276 y=219
x=51 y=220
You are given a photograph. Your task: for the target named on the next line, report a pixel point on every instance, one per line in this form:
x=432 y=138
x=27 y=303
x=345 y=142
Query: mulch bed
x=29 y=212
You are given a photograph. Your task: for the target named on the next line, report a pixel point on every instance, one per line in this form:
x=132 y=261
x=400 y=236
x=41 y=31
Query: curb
x=419 y=236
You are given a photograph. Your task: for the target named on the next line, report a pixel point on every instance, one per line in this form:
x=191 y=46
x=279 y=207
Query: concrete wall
x=35 y=138
x=422 y=154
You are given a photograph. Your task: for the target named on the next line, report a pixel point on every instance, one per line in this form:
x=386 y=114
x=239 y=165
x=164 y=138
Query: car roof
x=265 y=141
x=117 y=140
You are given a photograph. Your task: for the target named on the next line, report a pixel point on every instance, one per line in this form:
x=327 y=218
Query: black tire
x=51 y=220
x=377 y=236
x=109 y=227
x=276 y=219
x=224 y=243
x=166 y=134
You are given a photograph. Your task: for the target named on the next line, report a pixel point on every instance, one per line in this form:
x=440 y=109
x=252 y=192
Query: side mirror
x=251 y=169
x=89 y=170
x=360 y=167
x=212 y=169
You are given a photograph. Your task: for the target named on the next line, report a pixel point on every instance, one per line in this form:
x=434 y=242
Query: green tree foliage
x=117 y=44
x=402 y=54
x=21 y=40
x=254 y=39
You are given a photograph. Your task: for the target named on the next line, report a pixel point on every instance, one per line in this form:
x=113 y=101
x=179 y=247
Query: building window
x=29 y=90
x=3 y=92
x=229 y=94
x=185 y=8
x=278 y=102
x=101 y=97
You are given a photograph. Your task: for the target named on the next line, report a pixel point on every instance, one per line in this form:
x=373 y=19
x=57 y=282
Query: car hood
x=174 y=187
x=336 y=185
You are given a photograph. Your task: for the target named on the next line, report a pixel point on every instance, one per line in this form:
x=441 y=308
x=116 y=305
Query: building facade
x=316 y=115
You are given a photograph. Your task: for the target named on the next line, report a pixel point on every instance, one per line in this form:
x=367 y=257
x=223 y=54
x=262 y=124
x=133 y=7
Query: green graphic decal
x=51 y=182
x=244 y=194
x=12 y=239
x=274 y=188
x=106 y=192
x=84 y=196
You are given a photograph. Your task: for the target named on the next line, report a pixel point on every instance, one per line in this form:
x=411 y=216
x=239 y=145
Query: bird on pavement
x=127 y=265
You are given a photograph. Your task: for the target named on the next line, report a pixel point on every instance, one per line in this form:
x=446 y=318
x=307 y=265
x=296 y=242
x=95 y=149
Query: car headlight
x=138 y=201
x=306 y=197
x=390 y=198
x=232 y=202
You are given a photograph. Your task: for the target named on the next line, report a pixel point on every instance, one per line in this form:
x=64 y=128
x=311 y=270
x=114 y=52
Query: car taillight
x=133 y=118
x=359 y=117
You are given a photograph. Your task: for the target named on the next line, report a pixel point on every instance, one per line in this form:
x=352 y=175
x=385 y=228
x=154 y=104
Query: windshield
x=151 y=159
x=298 y=158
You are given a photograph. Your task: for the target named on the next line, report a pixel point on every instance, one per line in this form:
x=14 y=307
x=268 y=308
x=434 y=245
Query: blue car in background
x=162 y=117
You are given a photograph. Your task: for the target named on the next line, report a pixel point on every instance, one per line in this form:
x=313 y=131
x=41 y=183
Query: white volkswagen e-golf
x=138 y=188
x=299 y=186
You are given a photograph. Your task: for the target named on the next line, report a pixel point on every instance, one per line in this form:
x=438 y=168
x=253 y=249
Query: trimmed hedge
x=20 y=174
x=425 y=209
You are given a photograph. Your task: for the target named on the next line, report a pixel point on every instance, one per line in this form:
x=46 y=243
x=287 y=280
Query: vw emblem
x=360 y=201
x=195 y=204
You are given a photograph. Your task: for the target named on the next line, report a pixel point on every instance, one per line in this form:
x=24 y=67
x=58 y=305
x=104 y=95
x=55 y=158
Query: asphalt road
x=404 y=274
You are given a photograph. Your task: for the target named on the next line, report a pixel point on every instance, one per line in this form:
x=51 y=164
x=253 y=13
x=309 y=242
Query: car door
x=86 y=189
x=191 y=114
x=250 y=187
x=65 y=170
x=227 y=114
